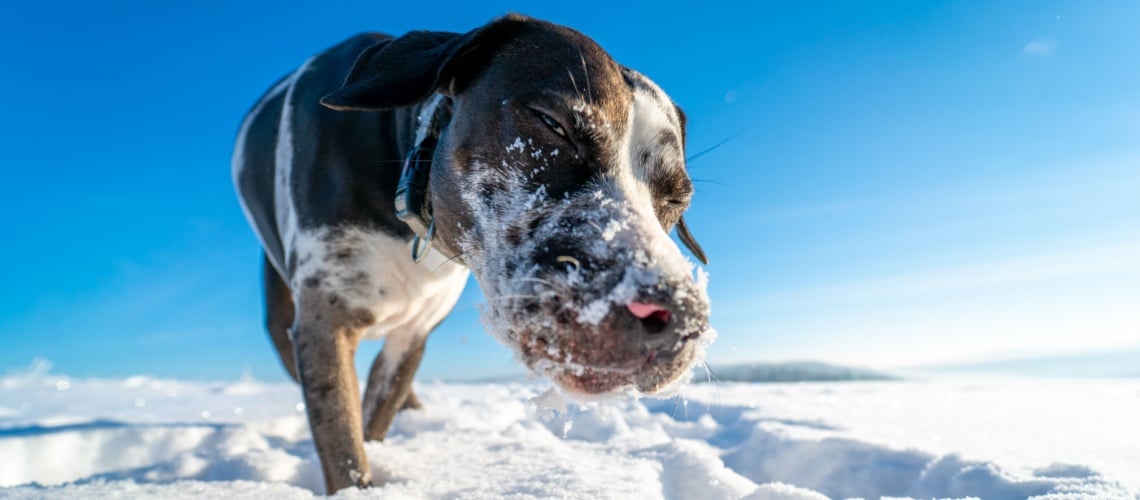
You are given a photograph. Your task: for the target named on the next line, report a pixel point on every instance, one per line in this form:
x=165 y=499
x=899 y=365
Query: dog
x=384 y=171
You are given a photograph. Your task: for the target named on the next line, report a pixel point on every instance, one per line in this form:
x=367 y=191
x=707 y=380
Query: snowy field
x=993 y=438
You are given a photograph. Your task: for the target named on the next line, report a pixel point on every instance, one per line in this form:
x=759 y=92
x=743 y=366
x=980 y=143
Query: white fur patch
x=650 y=115
x=283 y=196
x=237 y=162
x=375 y=271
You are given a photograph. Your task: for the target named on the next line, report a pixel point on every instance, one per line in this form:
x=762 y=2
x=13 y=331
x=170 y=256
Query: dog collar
x=413 y=194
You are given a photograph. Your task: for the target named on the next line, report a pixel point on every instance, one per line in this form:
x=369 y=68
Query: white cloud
x=1040 y=47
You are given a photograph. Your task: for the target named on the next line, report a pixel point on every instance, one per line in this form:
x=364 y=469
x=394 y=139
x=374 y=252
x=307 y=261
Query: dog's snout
x=654 y=318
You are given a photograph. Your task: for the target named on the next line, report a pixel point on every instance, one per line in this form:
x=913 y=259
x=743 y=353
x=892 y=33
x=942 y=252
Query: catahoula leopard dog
x=384 y=170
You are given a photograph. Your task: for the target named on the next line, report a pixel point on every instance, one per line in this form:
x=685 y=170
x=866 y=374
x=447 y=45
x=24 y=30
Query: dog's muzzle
x=594 y=294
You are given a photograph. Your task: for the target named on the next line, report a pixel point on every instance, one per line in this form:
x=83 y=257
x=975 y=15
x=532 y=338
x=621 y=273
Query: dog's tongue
x=643 y=310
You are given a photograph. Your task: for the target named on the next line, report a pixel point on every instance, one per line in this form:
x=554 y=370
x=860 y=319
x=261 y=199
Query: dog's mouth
x=575 y=369
x=588 y=381
x=602 y=327
x=594 y=336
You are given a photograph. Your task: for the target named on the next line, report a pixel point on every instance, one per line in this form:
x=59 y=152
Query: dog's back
x=298 y=165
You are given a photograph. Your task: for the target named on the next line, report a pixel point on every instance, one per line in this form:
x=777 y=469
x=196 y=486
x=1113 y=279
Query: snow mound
x=149 y=438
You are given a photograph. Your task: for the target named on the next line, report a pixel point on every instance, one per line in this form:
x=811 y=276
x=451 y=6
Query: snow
x=143 y=437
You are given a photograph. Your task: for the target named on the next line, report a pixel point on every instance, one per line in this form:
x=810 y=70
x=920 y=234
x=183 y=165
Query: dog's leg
x=389 y=386
x=279 y=313
x=412 y=402
x=325 y=338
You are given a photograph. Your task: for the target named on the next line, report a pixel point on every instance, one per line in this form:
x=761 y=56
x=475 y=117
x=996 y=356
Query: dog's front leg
x=325 y=338
x=389 y=386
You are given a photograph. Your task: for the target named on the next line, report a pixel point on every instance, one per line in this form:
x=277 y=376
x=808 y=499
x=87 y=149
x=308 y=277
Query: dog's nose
x=654 y=318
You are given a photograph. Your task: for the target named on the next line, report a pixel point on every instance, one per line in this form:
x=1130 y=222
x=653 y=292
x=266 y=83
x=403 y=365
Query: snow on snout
x=556 y=270
x=637 y=248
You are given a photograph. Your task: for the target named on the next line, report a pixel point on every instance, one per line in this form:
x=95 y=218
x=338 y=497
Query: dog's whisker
x=717 y=145
x=503 y=298
x=708 y=181
x=589 y=93
x=448 y=261
x=712 y=373
x=573 y=83
x=533 y=296
x=538 y=280
x=711 y=377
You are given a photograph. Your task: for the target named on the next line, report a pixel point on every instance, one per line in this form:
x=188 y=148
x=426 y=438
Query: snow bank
x=149 y=438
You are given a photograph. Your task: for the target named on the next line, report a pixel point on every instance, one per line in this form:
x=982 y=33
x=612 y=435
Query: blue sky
x=907 y=183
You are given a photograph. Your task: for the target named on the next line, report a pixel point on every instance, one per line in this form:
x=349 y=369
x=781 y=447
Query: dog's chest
x=368 y=269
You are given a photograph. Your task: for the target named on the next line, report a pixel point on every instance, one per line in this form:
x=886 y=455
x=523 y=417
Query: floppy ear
x=406 y=70
x=690 y=242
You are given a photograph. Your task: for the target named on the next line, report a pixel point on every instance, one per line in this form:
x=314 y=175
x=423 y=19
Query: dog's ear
x=406 y=70
x=690 y=242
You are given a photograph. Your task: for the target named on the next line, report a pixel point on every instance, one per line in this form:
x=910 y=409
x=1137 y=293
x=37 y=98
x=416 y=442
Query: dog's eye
x=676 y=203
x=552 y=124
x=680 y=198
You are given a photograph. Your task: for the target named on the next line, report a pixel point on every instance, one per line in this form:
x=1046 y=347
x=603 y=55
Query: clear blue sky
x=913 y=182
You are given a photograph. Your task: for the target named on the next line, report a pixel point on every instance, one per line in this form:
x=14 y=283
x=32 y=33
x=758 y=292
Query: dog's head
x=557 y=180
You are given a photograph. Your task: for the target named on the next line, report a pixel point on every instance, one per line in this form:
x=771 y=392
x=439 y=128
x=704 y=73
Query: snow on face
x=559 y=267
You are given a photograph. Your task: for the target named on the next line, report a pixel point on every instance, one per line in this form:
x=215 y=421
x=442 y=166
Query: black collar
x=413 y=195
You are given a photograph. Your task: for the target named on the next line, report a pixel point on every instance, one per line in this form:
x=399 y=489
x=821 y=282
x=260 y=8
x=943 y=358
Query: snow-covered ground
x=992 y=438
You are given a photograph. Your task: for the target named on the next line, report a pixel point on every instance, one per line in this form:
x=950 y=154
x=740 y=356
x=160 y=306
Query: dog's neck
x=413 y=196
